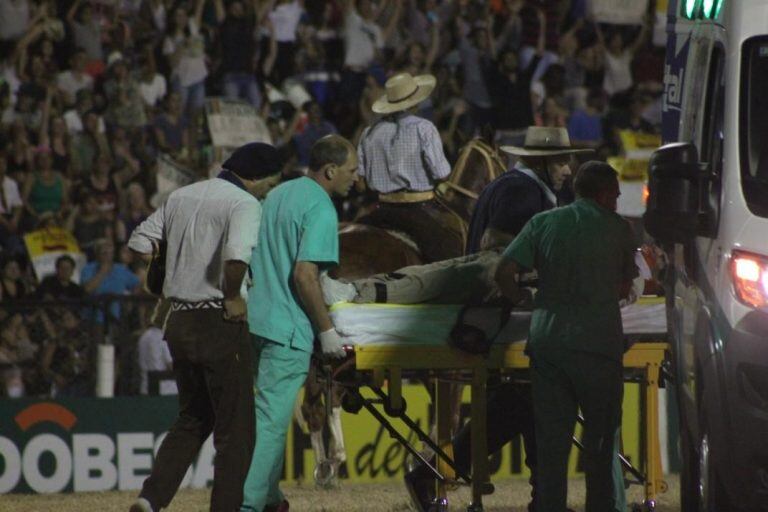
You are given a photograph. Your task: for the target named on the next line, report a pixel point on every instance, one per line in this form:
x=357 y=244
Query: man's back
x=204 y=224
x=582 y=253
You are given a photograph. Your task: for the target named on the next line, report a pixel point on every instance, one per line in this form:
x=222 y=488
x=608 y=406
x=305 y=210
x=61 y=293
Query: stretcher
x=392 y=340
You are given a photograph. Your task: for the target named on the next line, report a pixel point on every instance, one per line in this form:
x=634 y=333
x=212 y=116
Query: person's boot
x=420 y=483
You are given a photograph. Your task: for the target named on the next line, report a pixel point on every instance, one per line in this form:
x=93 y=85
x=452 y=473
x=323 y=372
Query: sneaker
x=421 y=486
x=283 y=506
x=141 y=505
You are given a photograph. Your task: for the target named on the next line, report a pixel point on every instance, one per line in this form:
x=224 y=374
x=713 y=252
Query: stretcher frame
x=386 y=363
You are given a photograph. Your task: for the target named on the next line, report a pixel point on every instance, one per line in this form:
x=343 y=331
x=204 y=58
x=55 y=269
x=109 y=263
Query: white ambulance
x=708 y=206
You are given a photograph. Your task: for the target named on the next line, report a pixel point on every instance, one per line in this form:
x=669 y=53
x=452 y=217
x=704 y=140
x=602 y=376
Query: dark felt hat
x=253 y=161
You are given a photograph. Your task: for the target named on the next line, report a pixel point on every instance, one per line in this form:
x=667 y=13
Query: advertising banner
x=99 y=444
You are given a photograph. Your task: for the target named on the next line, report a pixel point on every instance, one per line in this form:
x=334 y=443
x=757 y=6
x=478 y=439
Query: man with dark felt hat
x=211 y=229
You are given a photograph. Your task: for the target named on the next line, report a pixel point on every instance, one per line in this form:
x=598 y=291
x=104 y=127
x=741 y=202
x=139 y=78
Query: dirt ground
x=510 y=496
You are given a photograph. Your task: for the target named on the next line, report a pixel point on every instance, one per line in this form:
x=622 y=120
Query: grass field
x=510 y=496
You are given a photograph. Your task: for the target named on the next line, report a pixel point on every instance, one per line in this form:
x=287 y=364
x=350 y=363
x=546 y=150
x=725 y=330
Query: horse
x=365 y=250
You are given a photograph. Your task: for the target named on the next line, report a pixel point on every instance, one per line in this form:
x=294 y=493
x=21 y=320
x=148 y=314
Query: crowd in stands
x=93 y=91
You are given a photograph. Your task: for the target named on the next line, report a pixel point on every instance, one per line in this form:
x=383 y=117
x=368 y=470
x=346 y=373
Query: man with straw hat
x=401 y=157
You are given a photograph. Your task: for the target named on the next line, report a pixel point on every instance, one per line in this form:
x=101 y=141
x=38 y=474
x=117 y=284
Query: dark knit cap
x=253 y=161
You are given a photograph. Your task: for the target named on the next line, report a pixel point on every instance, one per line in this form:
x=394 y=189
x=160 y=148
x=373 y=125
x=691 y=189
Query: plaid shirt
x=402 y=153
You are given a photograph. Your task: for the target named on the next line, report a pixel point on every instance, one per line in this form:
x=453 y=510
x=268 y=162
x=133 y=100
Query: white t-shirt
x=361 y=38
x=14 y=18
x=11 y=196
x=70 y=83
x=75 y=123
x=154 y=355
x=191 y=67
x=285 y=18
x=618 y=73
x=154 y=91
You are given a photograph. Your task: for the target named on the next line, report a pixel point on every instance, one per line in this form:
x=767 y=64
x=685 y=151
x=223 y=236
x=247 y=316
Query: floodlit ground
x=510 y=496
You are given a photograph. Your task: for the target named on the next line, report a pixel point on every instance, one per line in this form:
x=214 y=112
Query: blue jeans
x=242 y=86
x=192 y=97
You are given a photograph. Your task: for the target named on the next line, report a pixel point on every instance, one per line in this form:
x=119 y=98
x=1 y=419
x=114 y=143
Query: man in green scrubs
x=297 y=240
x=584 y=255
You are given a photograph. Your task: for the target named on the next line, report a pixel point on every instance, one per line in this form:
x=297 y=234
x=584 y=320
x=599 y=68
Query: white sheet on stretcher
x=362 y=324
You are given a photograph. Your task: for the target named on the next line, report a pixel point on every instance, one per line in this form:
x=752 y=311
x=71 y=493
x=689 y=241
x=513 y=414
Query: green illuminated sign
x=702 y=9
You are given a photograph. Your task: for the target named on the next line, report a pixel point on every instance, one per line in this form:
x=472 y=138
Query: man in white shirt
x=10 y=211
x=74 y=79
x=211 y=229
x=363 y=39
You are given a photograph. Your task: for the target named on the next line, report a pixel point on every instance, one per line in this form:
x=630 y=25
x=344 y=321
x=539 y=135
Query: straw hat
x=545 y=141
x=403 y=92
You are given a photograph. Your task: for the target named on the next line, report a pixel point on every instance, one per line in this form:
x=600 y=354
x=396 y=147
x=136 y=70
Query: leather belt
x=407 y=197
x=180 y=305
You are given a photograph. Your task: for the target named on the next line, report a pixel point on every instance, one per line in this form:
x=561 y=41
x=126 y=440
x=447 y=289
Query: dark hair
x=594 y=177
x=65 y=257
x=328 y=150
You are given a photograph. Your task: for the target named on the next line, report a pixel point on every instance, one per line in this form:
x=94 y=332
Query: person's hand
x=332 y=344
x=235 y=310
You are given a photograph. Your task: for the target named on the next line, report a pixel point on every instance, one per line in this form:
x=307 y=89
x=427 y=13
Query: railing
x=95 y=342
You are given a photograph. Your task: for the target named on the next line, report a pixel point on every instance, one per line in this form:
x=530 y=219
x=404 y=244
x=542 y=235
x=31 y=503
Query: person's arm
x=148 y=234
x=393 y=21
x=434 y=47
x=493 y=238
x=28 y=184
x=642 y=36
x=269 y=60
x=506 y=279
x=433 y=155
x=307 y=282
x=198 y=14
x=261 y=8
x=235 y=308
x=542 y=41
x=73 y=11
x=91 y=284
x=221 y=13
x=42 y=133
x=239 y=242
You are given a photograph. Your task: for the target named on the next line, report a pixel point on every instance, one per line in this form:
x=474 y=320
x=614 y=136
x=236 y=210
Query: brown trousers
x=212 y=364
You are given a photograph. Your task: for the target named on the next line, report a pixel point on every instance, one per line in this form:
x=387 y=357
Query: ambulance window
x=754 y=124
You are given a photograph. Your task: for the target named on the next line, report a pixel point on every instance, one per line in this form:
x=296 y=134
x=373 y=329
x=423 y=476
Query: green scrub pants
x=562 y=383
x=280 y=373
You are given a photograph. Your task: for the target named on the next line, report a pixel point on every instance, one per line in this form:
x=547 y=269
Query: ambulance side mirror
x=675 y=176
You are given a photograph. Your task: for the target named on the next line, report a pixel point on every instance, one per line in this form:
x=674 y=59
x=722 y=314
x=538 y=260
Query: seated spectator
x=11 y=207
x=618 y=57
x=103 y=185
x=88 y=224
x=67 y=360
x=16 y=350
x=585 y=126
x=154 y=354
x=315 y=129
x=46 y=190
x=171 y=128
x=60 y=284
x=74 y=79
x=12 y=286
x=152 y=85
x=19 y=157
x=125 y=108
x=88 y=144
x=74 y=116
x=105 y=277
x=136 y=212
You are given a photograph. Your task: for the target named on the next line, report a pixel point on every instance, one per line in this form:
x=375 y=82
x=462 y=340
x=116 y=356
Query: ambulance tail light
x=750 y=278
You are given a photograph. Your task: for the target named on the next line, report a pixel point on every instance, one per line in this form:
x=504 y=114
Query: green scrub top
x=299 y=223
x=582 y=253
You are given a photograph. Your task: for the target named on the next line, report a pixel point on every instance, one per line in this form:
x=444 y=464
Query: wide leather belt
x=407 y=197
x=180 y=305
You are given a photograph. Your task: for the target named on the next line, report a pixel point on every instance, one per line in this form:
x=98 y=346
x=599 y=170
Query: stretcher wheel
x=475 y=507
x=487 y=488
x=646 y=506
x=395 y=413
x=352 y=401
x=439 y=505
